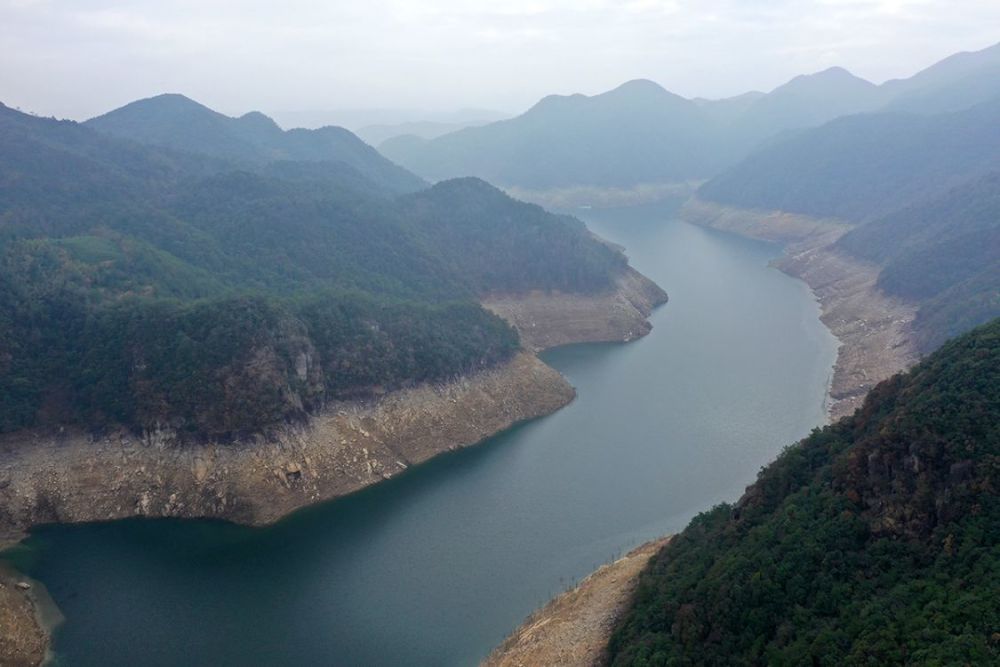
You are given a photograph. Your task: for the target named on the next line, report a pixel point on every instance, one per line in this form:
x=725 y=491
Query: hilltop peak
x=641 y=90
x=258 y=120
x=640 y=86
x=831 y=76
x=170 y=101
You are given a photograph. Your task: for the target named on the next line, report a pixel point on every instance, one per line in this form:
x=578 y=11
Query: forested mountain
x=636 y=132
x=805 y=101
x=860 y=167
x=872 y=541
x=944 y=254
x=174 y=121
x=640 y=133
x=957 y=82
x=424 y=129
x=153 y=287
x=922 y=188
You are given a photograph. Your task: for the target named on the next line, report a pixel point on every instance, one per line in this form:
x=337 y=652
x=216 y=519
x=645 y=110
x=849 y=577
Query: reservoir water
x=436 y=566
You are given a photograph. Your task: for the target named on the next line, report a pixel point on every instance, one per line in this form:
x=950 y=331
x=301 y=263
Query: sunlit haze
x=77 y=59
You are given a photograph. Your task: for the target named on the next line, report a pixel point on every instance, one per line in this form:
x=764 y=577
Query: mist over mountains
x=641 y=133
x=180 y=123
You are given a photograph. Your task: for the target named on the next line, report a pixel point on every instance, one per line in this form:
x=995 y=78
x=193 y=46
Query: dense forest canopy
x=151 y=286
x=872 y=541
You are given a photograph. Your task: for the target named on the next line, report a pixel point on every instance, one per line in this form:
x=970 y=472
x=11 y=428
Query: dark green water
x=436 y=566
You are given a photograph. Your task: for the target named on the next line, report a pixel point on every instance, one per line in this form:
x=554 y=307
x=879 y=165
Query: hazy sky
x=77 y=58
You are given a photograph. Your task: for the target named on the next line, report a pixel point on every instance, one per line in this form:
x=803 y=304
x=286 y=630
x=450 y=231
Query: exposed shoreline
x=874 y=329
x=572 y=630
x=24 y=638
x=545 y=319
x=71 y=476
x=68 y=475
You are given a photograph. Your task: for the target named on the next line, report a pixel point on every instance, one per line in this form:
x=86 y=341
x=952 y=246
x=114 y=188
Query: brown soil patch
x=573 y=629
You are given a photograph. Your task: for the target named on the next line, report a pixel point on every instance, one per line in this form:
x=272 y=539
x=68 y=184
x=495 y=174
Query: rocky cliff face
x=70 y=476
x=549 y=319
x=874 y=329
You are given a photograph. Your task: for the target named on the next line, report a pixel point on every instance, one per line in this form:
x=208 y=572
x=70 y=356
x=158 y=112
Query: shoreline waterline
x=661 y=428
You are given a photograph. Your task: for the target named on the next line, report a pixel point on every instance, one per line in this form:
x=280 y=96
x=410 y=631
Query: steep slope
x=922 y=193
x=864 y=166
x=174 y=121
x=158 y=289
x=957 y=82
x=873 y=541
x=943 y=254
x=805 y=101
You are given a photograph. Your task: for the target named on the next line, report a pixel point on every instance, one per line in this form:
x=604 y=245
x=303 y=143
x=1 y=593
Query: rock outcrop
x=70 y=476
x=64 y=474
x=549 y=319
x=874 y=329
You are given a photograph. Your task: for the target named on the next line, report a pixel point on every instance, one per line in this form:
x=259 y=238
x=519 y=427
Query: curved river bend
x=436 y=566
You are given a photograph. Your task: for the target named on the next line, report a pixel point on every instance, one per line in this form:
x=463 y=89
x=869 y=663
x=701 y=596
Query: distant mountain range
x=641 y=133
x=637 y=132
x=922 y=191
x=861 y=166
x=174 y=121
x=828 y=145
x=421 y=129
x=357 y=119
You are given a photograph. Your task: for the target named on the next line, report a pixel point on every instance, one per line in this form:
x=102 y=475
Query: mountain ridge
x=670 y=138
x=174 y=121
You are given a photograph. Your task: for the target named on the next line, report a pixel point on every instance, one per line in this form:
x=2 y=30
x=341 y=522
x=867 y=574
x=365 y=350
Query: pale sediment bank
x=72 y=476
x=573 y=629
x=23 y=640
x=547 y=319
x=65 y=475
x=68 y=475
x=873 y=328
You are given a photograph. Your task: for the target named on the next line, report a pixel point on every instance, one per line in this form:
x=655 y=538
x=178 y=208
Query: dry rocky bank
x=875 y=343
x=573 y=629
x=550 y=319
x=874 y=329
x=68 y=475
x=23 y=641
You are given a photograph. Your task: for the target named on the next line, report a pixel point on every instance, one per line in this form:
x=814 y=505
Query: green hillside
x=154 y=287
x=640 y=133
x=174 y=121
x=872 y=541
x=943 y=254
x=922 y=191
x=862 y=167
